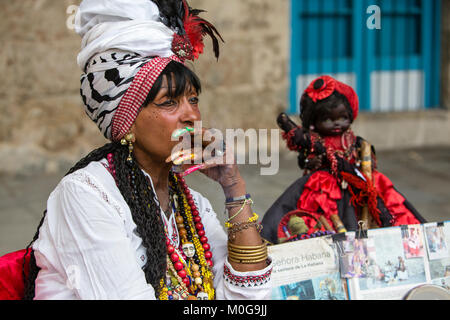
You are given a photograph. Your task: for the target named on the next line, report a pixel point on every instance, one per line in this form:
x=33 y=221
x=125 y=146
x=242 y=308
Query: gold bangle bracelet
x=245 y=257
x=261 y=249
x=247 y=254
x=231 y=245
x=248 y=261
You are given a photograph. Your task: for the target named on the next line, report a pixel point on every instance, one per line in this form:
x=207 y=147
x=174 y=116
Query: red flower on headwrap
x=182 y=48
x=323 y=87
x=190 y=45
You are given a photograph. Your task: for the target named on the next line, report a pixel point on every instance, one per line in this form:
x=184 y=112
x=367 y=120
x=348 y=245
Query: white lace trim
x=89 y=180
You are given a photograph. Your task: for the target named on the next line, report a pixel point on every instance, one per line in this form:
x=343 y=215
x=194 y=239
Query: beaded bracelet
x=234 y=230
x=229 y=225
x=245 y=226
x=246 y=202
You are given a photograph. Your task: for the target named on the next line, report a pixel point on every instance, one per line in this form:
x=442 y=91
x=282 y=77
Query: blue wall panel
x=331 y=36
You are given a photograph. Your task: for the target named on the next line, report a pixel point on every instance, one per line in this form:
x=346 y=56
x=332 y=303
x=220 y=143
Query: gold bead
x=198 y=281
x=129 y=137
x=179 y=220
x=195 y=267
x=182 y=232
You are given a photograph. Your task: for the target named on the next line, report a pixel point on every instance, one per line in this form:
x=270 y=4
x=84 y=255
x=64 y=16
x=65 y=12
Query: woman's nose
x=189 y=112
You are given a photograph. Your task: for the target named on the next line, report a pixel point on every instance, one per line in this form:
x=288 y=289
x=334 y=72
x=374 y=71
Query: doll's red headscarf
x=324 y=86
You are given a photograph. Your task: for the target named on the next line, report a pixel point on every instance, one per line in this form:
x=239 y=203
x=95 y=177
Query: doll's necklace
x=348 y=144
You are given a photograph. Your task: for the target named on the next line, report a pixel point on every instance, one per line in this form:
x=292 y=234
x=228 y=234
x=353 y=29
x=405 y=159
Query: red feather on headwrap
x=196 y=28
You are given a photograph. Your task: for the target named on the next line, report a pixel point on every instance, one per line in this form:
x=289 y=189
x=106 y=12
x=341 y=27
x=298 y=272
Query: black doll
x=341 y=185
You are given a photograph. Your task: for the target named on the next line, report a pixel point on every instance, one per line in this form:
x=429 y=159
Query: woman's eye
x=167 y=103
x=194 y=100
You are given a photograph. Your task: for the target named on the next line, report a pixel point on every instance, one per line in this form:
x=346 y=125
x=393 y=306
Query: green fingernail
x=180 y=132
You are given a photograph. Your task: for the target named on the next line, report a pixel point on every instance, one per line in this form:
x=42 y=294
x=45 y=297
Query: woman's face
x=333 y=123
x=156 y=122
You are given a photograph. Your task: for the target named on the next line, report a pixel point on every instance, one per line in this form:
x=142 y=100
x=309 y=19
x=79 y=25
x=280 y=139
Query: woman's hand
x=217 y=162
x=226 y=172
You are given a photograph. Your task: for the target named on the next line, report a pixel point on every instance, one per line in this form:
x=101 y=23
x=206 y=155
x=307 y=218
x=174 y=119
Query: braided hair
x=134 y=187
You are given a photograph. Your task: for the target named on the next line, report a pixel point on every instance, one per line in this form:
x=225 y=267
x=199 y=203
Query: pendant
x=202 y=296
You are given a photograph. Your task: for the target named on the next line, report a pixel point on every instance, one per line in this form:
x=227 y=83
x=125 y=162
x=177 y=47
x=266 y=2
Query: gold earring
x=128 y=139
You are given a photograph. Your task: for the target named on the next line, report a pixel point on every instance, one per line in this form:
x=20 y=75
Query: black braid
x=140 y=197
x=134 y=187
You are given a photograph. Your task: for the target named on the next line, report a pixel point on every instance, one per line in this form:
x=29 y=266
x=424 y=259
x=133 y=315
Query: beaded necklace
x=192 y=262
x=188 y=275
x=348 y=144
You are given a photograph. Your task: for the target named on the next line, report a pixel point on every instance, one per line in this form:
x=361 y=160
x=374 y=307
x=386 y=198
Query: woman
x=122 y=224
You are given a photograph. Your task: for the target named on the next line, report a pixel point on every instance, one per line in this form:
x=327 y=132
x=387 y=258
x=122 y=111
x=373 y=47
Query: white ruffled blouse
x=88 y=247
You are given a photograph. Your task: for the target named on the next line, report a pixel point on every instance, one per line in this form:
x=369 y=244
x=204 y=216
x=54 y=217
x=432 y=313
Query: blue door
x=393 y=68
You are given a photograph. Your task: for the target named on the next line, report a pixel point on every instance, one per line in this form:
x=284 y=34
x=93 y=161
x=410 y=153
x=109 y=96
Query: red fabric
x=330 y=85
x=368 y=194
x=289 y=137
x=321 y=191
x=323 y=92
x=351 y=96
x=333 y=142
x=393 y=201
x=11 y=279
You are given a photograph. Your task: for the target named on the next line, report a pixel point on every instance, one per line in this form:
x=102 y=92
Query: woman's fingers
x=212 y=152
x=179 y=132
x=183 y=156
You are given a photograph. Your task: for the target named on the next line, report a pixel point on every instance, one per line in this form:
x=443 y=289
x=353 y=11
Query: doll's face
x=333 y=123
x=189 y=250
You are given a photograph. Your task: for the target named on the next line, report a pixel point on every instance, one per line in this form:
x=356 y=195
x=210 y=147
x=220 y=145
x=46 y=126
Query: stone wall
x=43 y=125
x=248 y=86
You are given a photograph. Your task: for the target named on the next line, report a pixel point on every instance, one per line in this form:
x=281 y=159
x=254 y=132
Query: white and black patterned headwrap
x=114 y=49
x=126 y=44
